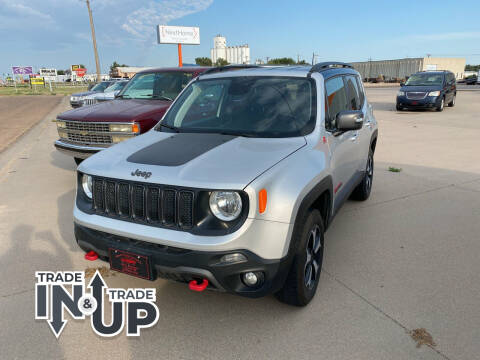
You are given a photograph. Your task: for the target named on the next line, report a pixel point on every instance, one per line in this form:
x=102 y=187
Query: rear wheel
x=452 y=103
x=363 y=190
x=441 y=105
x=77 y=160
x=302 y=280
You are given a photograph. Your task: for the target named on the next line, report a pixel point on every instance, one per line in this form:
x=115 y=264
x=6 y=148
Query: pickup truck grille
x=88 y=133
x=156 y=205
x=416 y=95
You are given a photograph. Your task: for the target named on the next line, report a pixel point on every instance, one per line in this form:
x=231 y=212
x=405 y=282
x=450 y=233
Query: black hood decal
x=178 y=149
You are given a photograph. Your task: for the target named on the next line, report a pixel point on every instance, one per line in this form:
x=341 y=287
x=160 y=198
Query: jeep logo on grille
x=144 y=174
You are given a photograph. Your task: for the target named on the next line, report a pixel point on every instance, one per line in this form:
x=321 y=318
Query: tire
x=302 y=280
x=452 y=103
x=399 y=108
x=441 y=105
x=77 y=160
x=363 y=190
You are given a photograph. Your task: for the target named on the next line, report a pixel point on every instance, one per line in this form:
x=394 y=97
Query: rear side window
x=361 y=90
x=336 y=100
x=353 y=94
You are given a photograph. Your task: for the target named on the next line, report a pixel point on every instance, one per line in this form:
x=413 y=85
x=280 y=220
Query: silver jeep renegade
x=234 y=189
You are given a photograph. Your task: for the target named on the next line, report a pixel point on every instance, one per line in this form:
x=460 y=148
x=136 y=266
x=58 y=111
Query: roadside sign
x=75 y=67
x=178 y=35
x=81 y=72
x=48 y=72
x=37 y=81
x=22 y=70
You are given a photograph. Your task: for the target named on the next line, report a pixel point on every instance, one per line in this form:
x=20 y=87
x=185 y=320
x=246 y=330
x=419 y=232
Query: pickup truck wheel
x=302 y=280
x=399 y=108
x=441 y=105
x=77 y=160
x=452 y=103
x=363 y=190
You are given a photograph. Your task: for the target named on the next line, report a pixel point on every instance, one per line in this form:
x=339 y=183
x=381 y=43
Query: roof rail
x=228 y=68
x=329 y=65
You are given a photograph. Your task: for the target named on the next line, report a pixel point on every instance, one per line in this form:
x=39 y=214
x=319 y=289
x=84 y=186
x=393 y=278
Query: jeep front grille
x=144 y=203
x=87 y=102
x=416 y=95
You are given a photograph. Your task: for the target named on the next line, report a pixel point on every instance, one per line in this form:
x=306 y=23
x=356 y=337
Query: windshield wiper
x=169 y=127
x=123 y=97
x=234 y=133
x=161 y=97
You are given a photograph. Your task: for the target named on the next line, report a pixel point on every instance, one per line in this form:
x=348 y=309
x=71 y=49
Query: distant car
x=428 y=90
x=76 y=100
x=471 y=80
x=108 y=94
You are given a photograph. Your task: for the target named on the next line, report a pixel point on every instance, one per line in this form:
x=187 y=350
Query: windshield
x=117 y=85
x=157 y=85
x=425 y=79
x=100 y=87
x=245 y=106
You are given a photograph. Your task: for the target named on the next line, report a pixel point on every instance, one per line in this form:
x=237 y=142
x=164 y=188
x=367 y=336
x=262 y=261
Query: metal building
x=233 y=54
x=402 y=68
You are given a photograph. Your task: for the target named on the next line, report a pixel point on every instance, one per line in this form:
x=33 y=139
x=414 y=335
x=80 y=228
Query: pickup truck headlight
x=119 y=138
x=61 y=124
x=87 y=185
x=130 y=128
x=401 y=93
x=434 y=93
x=225 y=205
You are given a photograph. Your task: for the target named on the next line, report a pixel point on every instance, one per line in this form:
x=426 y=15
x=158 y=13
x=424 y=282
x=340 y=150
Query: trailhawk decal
x=133 y=309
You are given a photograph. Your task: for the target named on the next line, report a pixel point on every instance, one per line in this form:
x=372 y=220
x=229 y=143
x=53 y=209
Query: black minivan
x=428 y=90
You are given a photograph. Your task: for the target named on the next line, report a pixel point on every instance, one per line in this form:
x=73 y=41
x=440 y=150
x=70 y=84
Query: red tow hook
x=195 y=286
x=91 y=255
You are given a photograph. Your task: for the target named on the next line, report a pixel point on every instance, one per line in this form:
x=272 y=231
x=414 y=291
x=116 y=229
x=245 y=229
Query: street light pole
x=97 y=62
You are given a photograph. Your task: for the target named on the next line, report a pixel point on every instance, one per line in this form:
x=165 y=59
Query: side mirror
x=349 y=120
x=90 y=86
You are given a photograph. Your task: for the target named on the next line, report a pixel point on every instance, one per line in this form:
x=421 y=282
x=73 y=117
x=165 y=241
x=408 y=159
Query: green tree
x=116 y=64
x=469 y=67
x=60 y=72
x=203 y=61
x=82 y=66
x=302 y=62
x=221 y=62
x=281 y=61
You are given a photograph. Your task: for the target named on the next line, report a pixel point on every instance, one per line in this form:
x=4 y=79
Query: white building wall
x=233 y=54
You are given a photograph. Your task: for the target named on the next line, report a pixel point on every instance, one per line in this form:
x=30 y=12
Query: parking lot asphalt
x=405 y=259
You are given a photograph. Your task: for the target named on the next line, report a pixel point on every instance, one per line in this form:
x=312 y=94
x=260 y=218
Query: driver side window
x=335 y=102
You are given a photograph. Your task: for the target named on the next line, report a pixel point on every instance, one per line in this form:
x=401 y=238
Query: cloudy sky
x=56 y=33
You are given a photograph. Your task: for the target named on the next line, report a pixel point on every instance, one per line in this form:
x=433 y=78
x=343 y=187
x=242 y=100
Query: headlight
x=61 y=124
x=401 y=93
x=73 y=98
x=62 y=133
x=225 y=205
x=131 y=128
x=434 y=93
x=117 y=139
x=87 y=185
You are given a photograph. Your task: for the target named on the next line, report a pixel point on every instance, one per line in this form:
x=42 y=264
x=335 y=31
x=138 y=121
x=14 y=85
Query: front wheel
x=302 y=280
x=441 y=105
x=399 y=108
x=363 y=190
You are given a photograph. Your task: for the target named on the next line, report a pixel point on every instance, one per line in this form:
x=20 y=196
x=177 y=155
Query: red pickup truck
x=135 y=110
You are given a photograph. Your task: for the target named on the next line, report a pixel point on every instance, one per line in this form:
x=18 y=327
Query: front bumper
x=78 y=151
x=428 y=102
x=184 y=265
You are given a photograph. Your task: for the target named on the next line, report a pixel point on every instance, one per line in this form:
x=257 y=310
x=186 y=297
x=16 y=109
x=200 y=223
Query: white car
x=109 y=93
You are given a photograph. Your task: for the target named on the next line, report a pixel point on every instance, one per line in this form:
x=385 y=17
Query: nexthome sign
x=178 y=35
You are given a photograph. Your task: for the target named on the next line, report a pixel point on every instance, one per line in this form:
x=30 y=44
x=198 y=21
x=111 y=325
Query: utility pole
x=314 y=56
x=97 y=62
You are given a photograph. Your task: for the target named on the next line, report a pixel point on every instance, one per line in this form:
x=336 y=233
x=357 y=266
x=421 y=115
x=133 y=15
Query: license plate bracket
x=130 y=263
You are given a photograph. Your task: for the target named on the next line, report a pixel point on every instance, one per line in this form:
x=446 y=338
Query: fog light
x=250 y=279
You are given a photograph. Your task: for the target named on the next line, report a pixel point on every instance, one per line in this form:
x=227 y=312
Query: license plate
x=130 y=263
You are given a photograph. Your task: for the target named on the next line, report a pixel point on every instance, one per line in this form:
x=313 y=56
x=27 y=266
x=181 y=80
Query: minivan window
x=255 y=106
x=353 y=93
x=425 y=79
x=336 y=100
